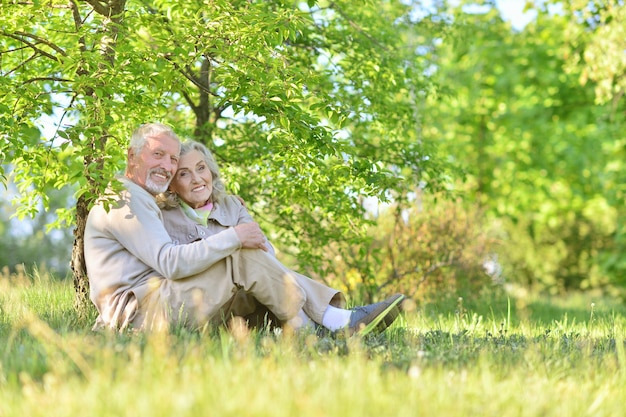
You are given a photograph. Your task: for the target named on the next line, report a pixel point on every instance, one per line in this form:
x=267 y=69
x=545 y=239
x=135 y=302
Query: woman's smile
x=199 y=188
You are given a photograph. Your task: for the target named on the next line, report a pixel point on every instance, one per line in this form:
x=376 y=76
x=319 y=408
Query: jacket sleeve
x=138 y=226
x=244 y=216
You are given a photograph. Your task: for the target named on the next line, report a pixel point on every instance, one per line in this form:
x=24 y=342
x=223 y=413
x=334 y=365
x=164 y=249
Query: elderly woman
x=198 y=206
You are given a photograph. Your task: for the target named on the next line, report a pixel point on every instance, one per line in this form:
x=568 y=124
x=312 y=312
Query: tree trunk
x=113 y=10
x=82 y=303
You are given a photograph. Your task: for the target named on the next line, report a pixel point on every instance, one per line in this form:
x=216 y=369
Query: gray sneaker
x=375 y=317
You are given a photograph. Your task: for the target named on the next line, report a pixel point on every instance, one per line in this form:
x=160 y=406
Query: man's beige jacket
x=127 y=246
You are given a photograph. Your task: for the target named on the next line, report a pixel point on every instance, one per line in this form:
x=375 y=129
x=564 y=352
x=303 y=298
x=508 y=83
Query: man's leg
x=209 y=295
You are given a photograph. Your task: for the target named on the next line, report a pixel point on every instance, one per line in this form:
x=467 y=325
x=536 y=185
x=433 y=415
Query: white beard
x=155 y=188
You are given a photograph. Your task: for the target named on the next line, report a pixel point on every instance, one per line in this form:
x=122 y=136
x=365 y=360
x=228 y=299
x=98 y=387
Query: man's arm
x=138 y=227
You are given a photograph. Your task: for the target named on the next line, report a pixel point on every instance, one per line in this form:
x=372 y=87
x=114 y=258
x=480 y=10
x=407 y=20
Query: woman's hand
x=251 y=236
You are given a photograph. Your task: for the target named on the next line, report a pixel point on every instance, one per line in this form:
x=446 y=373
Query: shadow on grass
x=571 y=308
x=535 y=309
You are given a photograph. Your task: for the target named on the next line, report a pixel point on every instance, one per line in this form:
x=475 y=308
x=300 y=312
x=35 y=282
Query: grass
x=518 y=357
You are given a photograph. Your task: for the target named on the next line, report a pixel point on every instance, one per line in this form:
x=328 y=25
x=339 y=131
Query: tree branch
x=190 y=102
x=357 y=27
x=190 y=77
x=42 y=40
x=21 y=37
x=32 y=80
x=33 y=56
x=100 y=7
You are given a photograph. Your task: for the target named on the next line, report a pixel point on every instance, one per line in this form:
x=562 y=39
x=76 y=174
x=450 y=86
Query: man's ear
x=130 y=155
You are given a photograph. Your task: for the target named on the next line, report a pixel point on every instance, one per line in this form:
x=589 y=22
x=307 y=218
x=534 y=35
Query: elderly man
x=140 y=278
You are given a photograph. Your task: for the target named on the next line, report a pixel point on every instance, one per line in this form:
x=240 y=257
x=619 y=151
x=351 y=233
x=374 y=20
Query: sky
x=512 y=10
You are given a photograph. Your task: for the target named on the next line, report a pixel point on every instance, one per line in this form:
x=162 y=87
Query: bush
x=553 y=258
x=432 y=250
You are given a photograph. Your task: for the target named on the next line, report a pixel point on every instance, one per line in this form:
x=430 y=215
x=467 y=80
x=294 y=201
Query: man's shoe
x=376 y=316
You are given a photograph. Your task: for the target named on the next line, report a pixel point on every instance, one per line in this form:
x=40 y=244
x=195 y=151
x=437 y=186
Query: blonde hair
x=170 y=200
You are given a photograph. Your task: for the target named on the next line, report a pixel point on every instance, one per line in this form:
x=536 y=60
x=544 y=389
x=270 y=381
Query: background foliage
x=538 y=146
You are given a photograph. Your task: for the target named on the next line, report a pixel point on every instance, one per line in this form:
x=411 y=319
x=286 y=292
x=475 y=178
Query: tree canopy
x=309 y=107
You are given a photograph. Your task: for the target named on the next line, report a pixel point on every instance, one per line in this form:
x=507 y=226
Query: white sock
x=335 y=318
x=300 y=321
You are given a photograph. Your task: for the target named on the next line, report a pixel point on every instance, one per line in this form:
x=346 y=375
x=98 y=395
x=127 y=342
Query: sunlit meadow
x=521 y=356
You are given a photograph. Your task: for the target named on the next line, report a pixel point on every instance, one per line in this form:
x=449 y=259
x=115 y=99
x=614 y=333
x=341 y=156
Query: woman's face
x=193 y=181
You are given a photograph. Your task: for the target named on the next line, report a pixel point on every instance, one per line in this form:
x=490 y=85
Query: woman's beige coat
x=229 y=213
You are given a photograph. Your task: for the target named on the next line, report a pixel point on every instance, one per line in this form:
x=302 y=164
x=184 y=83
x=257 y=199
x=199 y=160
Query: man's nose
x=168 y=165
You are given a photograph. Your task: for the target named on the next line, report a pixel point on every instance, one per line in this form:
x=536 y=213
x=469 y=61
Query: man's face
x=154 y=167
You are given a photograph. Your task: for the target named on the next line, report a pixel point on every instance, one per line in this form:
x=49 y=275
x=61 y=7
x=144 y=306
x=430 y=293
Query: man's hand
x=251 y=236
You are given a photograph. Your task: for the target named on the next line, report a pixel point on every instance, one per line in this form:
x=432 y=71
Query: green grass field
x=524 y=357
